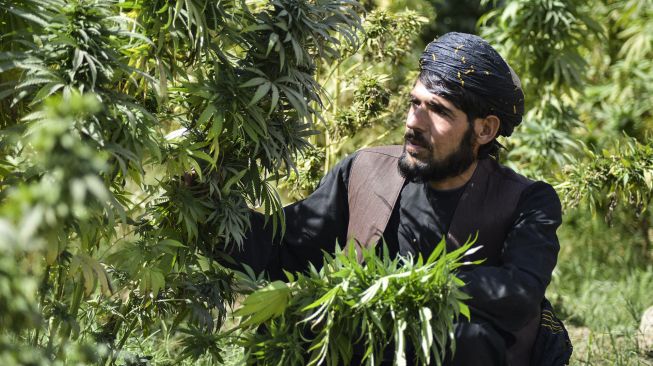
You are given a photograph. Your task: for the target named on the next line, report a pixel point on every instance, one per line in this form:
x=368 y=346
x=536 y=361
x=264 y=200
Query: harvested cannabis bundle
x=347 y=308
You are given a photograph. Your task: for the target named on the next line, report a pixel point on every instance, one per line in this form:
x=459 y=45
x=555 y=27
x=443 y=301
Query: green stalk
x=644 y=227
x=55 y=323
x=53 y=332
x=327 y=143
x=60 y=283
x=46 y=279
x=124 y=310
x=74 y=308
x=327 y=146
x=123 y=340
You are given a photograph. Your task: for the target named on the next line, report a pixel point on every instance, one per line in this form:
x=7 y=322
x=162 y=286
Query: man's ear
x=486 y=129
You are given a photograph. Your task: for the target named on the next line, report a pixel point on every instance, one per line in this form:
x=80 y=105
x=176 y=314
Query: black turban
x=470 y=62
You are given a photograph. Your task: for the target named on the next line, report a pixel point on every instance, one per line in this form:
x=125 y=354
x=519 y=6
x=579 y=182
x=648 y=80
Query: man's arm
x=313 y=225
x=510 y=294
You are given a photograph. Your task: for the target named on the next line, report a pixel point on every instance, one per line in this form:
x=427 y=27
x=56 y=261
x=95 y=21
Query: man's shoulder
x=375 y=162
x=530 y=190
x=370 y=154
x=370 y=161
x=507 y=173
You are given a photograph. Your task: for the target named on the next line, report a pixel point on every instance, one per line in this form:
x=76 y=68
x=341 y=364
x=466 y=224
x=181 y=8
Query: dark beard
x=436 y=170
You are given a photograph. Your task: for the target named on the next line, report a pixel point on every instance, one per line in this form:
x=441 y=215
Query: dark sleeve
x=313 y=225
x=510 y=294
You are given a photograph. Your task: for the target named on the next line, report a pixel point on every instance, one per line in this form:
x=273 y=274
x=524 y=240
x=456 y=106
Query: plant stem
x=644 y=227
x=54 y=323
x=43 y=291
x=123 y=340
x=74 y=308
x=54 y=326
x=124 y=310
x=327 y=143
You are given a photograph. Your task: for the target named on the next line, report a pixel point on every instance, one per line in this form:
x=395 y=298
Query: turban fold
x=471 y=63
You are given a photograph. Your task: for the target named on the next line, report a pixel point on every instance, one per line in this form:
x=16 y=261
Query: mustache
x=417 y=138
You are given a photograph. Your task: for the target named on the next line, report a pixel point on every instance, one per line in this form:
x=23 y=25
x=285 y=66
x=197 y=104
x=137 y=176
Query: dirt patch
x=646 y=331
x=579 y=339
x=608 y=348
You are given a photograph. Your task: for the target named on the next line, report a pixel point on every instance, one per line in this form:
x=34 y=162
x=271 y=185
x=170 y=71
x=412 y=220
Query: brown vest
x=486 y=206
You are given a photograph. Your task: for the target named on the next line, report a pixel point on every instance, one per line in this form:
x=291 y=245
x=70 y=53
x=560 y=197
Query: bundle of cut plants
x=385 y=306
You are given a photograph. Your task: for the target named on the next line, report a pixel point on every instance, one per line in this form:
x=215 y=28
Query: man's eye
x=415 y=102
x=438 y=109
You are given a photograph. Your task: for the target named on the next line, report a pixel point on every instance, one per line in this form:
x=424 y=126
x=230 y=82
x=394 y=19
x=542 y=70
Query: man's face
x=439 y=142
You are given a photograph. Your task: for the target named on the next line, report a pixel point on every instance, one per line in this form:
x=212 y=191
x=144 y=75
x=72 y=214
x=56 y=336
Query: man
x=449 y=186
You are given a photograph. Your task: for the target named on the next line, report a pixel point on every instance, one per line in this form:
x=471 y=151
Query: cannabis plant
x=382 y=307
x=136 y=136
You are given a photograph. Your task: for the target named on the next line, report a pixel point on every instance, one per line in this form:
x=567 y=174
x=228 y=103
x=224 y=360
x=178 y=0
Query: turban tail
x=470 y=62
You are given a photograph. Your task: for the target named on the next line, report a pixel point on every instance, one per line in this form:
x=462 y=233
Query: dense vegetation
x=137 y=135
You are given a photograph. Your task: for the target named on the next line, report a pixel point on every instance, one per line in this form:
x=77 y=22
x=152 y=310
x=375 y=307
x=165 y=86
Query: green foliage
x=136 y=137
x=308 y=175
x=620 y=93
x=17 y=290
x=389 y=36
x=544 y=40
x=623 y=176
x=382 y=303
x=601 y=287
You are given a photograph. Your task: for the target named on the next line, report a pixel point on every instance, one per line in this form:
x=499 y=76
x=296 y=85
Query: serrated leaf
x=261 y=91
x=204 y=156
x=170 y=246
x=233 y=180
x=254 y=82
x=266 y=303
x=206 y=114
x=464 y=310
x=324 y=299
x=275 y=99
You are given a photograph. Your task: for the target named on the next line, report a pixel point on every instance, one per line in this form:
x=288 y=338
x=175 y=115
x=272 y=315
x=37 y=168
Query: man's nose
x=416 y=119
